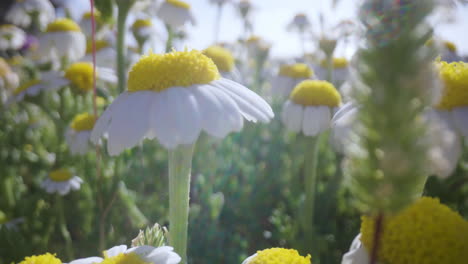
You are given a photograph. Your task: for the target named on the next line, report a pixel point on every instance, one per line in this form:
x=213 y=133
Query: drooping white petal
x=130 y=122
x=114 y=251
x=159 y=126
x=164 y=255
x=310 y=126
x=357 y=254
x=90 y=260
x=323 y=118
x=292 y=116
x=247 y=260
x=460 y=118
x=106 y=74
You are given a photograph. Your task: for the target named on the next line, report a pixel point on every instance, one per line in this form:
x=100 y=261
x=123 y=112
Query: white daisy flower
x=175 y=13
x=134 y=255
x=277 y=255
x=9 y=80
x=340 y=70
x=34 y=86
x=256 y=46
x=173 y=97
x=61 y=181
x=143 y=31
x=310 y=107
x=300 y=23
x=11 y=37
x=79 y=132
x=224 y=61
x=105 y=53
x=22 y=13
x=288 y=77
x=63 y=39
x=357 y=253
x=86 y=22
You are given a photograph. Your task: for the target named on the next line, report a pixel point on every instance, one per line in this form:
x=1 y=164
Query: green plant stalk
x=124 y=7
x=180 y=165
x=330 y=67
x=170 y=38
x=63 y=227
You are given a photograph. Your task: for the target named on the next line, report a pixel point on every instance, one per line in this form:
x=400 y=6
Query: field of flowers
x=115 y=153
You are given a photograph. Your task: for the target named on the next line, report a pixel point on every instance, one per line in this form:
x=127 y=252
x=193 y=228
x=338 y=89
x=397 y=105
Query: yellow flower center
x=46 y=258
x=297 y=71
x=426 y=232
x=97 y=15
x=315 y=93
x=253 y=39
x=60 y=175
x=141 y=23
x=157 y=72
x=279 y=256
x=80 y=74
x=221 y=57
x=83 y=122
x=25 y=86
x=63 y=24
x=455 y=79
x=100 y=44
x=122 y=258
x=450 y=46
x=338 y=63
x=178 y=3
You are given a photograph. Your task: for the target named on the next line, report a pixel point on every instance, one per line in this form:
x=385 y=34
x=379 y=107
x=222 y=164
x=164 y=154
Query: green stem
x=180 y=164
x=63 y=227
x=170 y=38
x=330 y=68
x=124 y=7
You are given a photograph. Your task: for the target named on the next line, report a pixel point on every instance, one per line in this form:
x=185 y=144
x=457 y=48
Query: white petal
x=114 y=251
x=310 y=126
x=130 y=122
x=292 y=116
x=102 y=124
x=158 y=120
x=90 y=260
x=65 y=188
x=323 y=118
x=460 y=117
x=357 y=254
x=163 y=255
x=247 y=260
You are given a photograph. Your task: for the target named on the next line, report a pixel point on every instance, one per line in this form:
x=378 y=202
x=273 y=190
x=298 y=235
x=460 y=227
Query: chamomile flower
x=134 y=255
x=24 y=13
x=300 y=23
x=9 y=80
x=224 y=62
x=310 y=107
x=61 y=181
x=48 y=81
x=46 y=258
x=173 y=97
x=277 y=255
x=86 y=22
x=175 y=13
x=79 y=132
x=143 y=30
x=105 y=53
x=288 y=77
x=63 y=39
x=425 y=232
x=340 y=70
x=357 y=253
x=11 y=37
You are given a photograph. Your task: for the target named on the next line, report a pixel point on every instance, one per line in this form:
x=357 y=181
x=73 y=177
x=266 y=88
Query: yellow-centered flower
x=298 y=71
x=80 y=74
x=83 y=122
x=278 y=256
x=221 y=57
x=46 y=258
x=316 y=93
x=63 y=24
x=455 y=81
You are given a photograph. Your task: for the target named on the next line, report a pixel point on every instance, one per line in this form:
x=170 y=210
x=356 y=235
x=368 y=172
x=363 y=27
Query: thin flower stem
x=63 y=227
x=330 y=68
x=124 y=7
x=377 y=238
x=180 y=165
x=170 y=38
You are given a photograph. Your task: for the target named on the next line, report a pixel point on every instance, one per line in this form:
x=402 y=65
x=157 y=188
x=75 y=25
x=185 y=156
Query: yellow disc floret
x=41 y=259
x=80 y=74
x=426 y=232
x=338 y=63
x=122 y=258
x=62 y=24
x=450 y=46
x=178 y=3
x=97 y=15
x=25 y=86
x=297 y=71
x=83 y=122
x=141 y=23
x=60 y=175
x=455 y=81
x=315 y=93
x=279 y=256
x=221 y=57
x=100 y=44
x=157 y=72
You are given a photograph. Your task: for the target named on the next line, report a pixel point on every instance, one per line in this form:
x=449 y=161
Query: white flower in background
x=288 y=77
x=342 y=127
x=134 y=255
x=173 y=97
x=310 y=107
x=143 y=31
x=340 y=70
x=300 y=23
x=357 y=253
x=24 y=13
x=63 y=39
x=86 y=22
x=277 y=255
x=244 y=7
x=9 y=80
x=224 y=61
x=256 y=46
x=61 y=181
x=175 y=13
x=105 y=53
x=79 y=132
x=34 y=86
x=11 y=37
